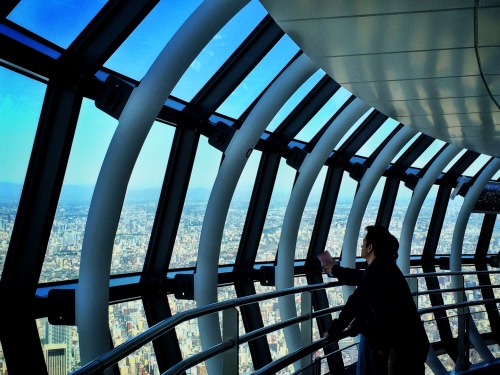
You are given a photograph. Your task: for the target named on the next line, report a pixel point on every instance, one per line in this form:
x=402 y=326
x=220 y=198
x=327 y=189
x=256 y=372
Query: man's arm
x=347 y=276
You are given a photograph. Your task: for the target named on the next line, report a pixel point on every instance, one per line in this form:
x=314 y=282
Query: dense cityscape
x=128 y=319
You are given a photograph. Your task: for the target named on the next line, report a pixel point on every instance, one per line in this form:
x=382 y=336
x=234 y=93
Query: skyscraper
x=55 y=357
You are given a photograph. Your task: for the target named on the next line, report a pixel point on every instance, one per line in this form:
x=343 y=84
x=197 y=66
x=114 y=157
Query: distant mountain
x=10 y=192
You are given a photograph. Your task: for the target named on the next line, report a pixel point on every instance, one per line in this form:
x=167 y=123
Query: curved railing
x=227 y=345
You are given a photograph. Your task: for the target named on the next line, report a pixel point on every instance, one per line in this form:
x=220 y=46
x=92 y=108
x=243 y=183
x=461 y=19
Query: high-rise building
x=56 y=358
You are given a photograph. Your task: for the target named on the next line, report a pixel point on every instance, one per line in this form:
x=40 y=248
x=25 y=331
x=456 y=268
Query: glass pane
x=294 y=100
x=335 y=239
x=141 y=201
x=377 y=138
x=127 y=320
x=353 y=128
x=423 y=221
x=399 y=212
x=477 y=165
x=60 y=347
x=253 y=85
x=93 y=132
x=495 y=238
x=237 y=212
x=309 y=216
x=205 y=168
x=444 y=244
x=405 y=147
x=323 y=116
x=49 y=17
x=371 y=212
x=3 y=364
x=454 y=160
x=20 y=104
x=274 y=219
x=138 y=52
x=218 y=50
x=472 y=232
x=428 y=154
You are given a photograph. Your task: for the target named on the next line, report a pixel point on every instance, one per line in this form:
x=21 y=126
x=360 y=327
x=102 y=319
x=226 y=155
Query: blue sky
x=21 y=98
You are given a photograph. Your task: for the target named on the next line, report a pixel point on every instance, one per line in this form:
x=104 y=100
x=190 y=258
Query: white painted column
x=92 y=296
x=308 y=172
x=417 y=199
x=235 y=158
x=365 y=190
x=456 y=249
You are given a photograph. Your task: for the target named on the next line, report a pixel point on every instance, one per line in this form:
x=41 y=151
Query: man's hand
x=327 y=262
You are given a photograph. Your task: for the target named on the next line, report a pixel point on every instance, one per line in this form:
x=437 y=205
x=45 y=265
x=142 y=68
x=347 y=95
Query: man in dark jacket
x=382 y=310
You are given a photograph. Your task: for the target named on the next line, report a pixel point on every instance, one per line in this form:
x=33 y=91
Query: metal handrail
x=120 y=352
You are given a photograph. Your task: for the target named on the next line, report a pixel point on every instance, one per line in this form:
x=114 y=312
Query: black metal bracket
x=113 y=95
x=357 y=171
x=184 y=286
x=220 y=135
x=267 y=277
x=411 y=181
x=295 y=157
x=62 y=307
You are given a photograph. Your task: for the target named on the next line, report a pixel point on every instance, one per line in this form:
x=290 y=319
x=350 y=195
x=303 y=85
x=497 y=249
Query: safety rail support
x=306 y=327
x=230 y=331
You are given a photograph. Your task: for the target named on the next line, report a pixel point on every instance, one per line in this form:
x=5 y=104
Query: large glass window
x=138 y=52
x=205 y=168
x=3 y=364
x=127 y=320
x=446 y=237
x=21 y=101
x=423 y=221
x=258 y=79
x=218 y=50
x=337 y=231
x=353 y=128
x=323 y=116
x=472 y=231
x=399 y=210
x=294 y=100
x=60 y=346
x=274 y=219
x=141 y=201
x=377 y=138
x=235 y=220
x=495 y=238
x=477 y=165
x=371 y=212
x=93 y=132
x=309 y=216
x=49 y=17
x=428 y=154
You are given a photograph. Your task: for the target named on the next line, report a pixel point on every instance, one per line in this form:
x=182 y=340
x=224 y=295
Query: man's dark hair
x=384 y=244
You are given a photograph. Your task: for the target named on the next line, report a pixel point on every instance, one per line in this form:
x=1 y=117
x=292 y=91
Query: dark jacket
x=382 y=309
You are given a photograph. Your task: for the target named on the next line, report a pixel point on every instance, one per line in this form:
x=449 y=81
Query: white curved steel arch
x=92 y=295
x=365 y=190
x=456 y=249
x=417 y=199
x=235 y=158
x=308 y=172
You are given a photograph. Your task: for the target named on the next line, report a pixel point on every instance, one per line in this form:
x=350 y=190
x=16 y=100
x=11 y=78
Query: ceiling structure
x=432 y=65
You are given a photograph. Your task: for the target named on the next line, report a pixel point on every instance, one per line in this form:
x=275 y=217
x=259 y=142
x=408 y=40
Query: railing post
x=230 y=331
x=306 y=330
x=413 y=285
x=462 y=340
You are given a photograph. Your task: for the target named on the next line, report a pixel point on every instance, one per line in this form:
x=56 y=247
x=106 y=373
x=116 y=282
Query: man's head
x=379 y=242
